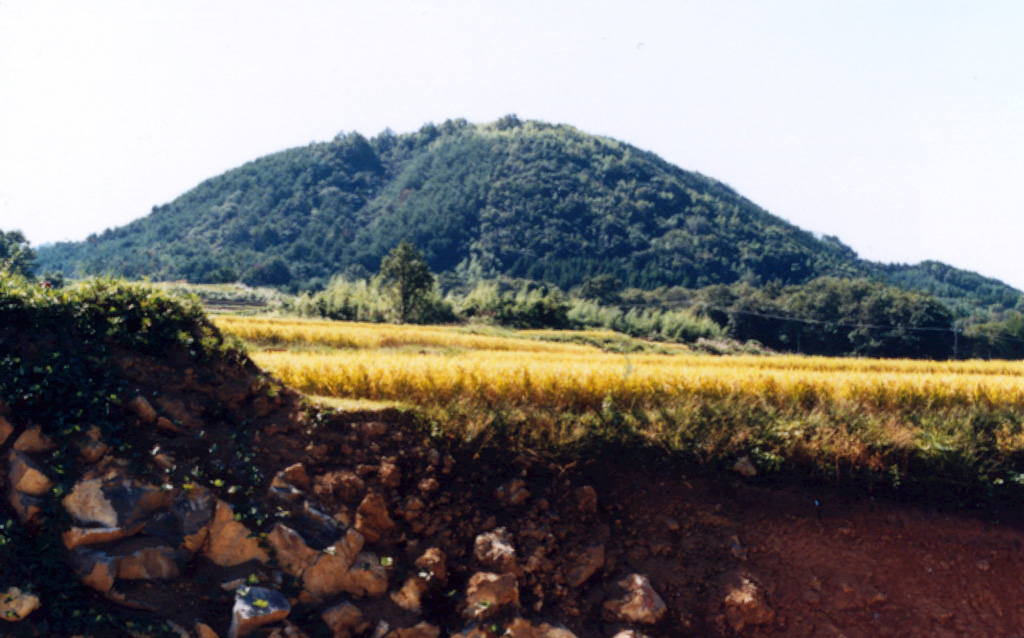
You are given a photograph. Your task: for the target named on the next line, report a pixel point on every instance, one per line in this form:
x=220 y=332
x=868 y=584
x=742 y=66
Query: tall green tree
x=16 y=257
x=407 y=277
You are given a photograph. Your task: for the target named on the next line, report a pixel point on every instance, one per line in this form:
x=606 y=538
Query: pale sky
x=896 y=125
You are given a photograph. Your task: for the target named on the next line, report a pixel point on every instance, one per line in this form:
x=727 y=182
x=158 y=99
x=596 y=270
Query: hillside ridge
x=513 y=198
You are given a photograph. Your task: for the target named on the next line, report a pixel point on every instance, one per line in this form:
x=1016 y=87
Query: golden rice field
x=884 y=415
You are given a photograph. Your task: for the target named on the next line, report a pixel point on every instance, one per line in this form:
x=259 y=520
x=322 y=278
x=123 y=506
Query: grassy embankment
x=893 y=421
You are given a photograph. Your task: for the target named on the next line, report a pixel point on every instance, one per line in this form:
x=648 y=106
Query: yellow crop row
x=581 y=381
x=343 y=334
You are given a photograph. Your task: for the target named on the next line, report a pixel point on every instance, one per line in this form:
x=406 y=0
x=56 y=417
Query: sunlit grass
x=956 y=420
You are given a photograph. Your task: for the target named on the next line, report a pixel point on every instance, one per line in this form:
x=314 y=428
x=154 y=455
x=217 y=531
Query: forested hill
x=523 y=199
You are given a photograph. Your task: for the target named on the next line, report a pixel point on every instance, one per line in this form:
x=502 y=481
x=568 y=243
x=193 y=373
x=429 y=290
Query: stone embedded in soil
x=296 y=475
x=229 y=542
x=288 y=631
x=114 y=500
x=6 y=430
x=494 y=552
x=92 y=448
x=746 y=603
x=640 y=604
x=512 y=493
x=15 y=604
x=193 y=511
x=586 y=500
x=367 y=577
x=97 y=569
x=79 y=536
x=342 y=568
x=256 y=607
x=744 y=467
x=344 y=484
x=142 y=409
x=26 y=476
x=344 y=620
x=146 y=559
x=428 y=486
x=291 y=552
x=522 y=628
x=202 y=630
x=489 y=595
x=390 y=474
x=33 y=441
x=591 y=560
x=410 y=596
x=630 y=633
x=421 y=630
x=433 y=562
x=27 y=508
x=372 y=518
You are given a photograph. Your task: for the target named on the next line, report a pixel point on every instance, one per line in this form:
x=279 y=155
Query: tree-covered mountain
x=518 y=199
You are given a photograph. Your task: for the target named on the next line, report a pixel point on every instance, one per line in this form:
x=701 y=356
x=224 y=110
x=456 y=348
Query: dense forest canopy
x=512 y=198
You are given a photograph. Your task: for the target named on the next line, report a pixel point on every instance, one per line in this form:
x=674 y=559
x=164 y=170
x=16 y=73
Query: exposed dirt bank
x=229 y=508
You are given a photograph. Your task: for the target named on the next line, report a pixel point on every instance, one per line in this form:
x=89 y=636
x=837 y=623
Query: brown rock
x=522 y=628
x=410 y=596
x=97 y=569
x=142 y=409
x=92 y=449
x=175 y=408
x=390 y=474
x=372 y=430
x=79 y=536
x=422 y=630
x=641 y=604
x=328 y=575
x=202 y=630
x=296 y=475
x=6 y=430
x=488 y=595
x=151 y=563
x=512 y=493
x=292 y=553
x=114 y=500
x=343 y=484
x=428 y=486
x=344 y=620
x=166 y=424
x=367 y=577
x=194 y=511
x=230 y=542
x=746 y=604
x=26 y=476
x=432 y=562
x=15 y=605
x=372 y=518
x=589 y=562
x=494 y=551
x=288 y=631
x=28 y=508
x=586 y=499
x=744 y=467
x=33 y=441
x=256 y=607
x=87 y=504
